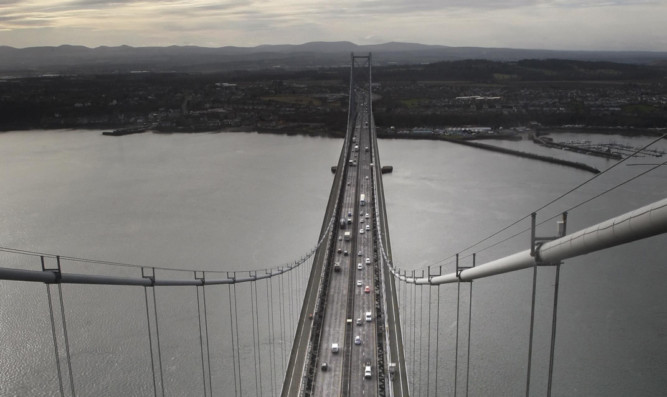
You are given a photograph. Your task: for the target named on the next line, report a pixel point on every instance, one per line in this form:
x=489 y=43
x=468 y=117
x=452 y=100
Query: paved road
x=346 y=376
x=346 y=301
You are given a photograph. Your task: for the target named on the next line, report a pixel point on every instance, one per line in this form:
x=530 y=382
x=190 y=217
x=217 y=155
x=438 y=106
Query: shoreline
x=468 y=141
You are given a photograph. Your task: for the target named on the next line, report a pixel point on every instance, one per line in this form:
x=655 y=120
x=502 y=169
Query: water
x=443 y=198
x=248 y=201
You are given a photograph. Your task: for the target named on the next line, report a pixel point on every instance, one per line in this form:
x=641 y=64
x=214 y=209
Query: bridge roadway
x=348 y=302
x=348 y=282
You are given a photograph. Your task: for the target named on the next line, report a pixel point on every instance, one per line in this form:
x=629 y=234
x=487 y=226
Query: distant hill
x=78 y=59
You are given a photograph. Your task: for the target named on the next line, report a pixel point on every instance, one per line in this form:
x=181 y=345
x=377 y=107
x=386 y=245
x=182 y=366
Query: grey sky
x=548 y=24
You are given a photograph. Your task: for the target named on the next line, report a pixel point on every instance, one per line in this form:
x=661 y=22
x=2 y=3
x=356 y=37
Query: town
x=463 y=98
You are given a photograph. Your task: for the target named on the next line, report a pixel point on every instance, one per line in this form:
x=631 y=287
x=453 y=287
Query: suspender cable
x=421 y=327
x=469 y=332
x=428 y=344
x=254 y=339
x=231 y=330
x=238 y=352
x=437 y=341
x=288 y=311
x=157 y=335
x=150 y=342
x=259 y=344
x=456 y=345
x=290 y=302
x=201 y=340
x=553 y=330
x=208 y=345
x=282 y=324
x=55 y=338
x=414 y=333
x=269 y=315
x=530 y=338
x=67 y=353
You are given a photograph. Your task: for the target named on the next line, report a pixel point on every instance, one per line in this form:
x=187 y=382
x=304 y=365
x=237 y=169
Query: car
x=340 y=238
x=366 y=176
x=362 y=220
x=368 y=227
x=367 y=216
x=359 y=283
x=334 y=348
x=357 y=340
x=325 y=366
x=359 y=253
x=369 y=316
x=367 y=289
x=345 y=253
x=368 y=261
x=359 y=267
x=367 y=370
x=359 y=322
x=361 y=231
x=339 y=250
x=349 y=214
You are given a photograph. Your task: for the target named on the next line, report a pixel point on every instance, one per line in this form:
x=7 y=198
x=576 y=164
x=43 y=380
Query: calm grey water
x=248 y=201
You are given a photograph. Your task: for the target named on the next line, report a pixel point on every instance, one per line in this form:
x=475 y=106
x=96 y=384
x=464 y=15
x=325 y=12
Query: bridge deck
x=354 y=290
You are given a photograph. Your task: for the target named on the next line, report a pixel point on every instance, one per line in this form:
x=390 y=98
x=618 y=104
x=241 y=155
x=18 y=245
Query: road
x=348 y=302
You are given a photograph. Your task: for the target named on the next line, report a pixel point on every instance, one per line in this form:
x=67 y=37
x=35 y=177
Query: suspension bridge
x=342 y=320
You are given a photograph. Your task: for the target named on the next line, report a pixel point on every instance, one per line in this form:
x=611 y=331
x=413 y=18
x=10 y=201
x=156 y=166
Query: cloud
x=508 y=23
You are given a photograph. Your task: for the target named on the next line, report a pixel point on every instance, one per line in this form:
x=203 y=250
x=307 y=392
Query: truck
x=347 y=236
x=362 y=199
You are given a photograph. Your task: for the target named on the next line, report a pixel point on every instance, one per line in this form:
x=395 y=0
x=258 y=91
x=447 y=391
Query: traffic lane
x=330 y=379
x=334 y=321
x=364 y=302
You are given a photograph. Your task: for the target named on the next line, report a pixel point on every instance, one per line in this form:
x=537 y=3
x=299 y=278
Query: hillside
x=68 y=59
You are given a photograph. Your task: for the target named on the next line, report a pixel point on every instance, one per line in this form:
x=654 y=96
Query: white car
x=368 y=227
x=361 y=231
x=367 y=216
x=359 y=267
x=367 y=371
x=359 y=253
x=369 y=316
x=359 y=283
x=368 y=261
x=334 y=347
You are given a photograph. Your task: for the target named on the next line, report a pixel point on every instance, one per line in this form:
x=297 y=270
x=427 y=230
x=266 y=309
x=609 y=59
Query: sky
x=636 y=25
